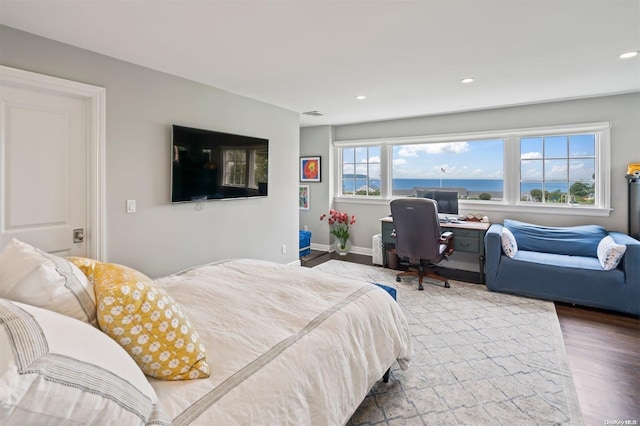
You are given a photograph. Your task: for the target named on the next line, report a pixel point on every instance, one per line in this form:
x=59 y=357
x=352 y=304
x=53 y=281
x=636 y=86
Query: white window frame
x=225 y=166
x=249 y=175
x=511 y=169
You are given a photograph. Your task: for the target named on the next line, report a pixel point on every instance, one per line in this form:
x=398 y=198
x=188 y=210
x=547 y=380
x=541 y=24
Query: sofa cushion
x=574 y=240
x=562 y=260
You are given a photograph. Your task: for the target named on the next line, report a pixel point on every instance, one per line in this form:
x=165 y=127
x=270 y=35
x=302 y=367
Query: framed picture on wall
x=303 y=197
x=309 y=169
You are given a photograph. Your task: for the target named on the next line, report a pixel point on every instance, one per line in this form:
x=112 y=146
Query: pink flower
x=339 y=223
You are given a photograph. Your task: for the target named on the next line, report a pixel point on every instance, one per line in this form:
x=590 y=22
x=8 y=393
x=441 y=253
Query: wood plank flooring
x=604 y=356
x=603 y=349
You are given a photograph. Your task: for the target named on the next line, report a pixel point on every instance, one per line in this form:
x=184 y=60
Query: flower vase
x=343 y=247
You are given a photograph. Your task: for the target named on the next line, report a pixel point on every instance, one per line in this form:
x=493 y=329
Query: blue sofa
x=561 y=264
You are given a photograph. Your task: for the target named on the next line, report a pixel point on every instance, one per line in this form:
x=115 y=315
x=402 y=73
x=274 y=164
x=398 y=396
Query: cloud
x=558 y=171
x=433 y=148
x=533 y=173
x=372 y=160
x=399 y=162
x=530 y=155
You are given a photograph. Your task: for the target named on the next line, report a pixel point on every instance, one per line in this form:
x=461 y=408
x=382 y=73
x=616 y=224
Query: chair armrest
x=447 y=238
x=492 y=253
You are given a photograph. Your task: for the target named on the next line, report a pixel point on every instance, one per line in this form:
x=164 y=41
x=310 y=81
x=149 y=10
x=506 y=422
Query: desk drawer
x=387 y=229
x=471 y=245
x=469 y=233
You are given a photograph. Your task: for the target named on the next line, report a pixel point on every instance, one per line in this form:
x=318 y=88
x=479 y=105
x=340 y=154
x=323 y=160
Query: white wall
x=142 y=105
x=622 y=111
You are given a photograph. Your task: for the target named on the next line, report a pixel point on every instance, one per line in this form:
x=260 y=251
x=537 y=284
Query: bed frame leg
x=385 y=378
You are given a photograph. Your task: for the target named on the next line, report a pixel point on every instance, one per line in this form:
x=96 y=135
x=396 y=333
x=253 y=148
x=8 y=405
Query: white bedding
x=285 y=344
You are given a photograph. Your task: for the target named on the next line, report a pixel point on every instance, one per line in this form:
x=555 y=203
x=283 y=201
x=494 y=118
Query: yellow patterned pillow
x=148 y=324
x=85 y=264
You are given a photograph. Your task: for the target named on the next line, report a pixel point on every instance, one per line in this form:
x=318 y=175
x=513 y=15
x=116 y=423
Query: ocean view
x=471 y=185
x=474 y=185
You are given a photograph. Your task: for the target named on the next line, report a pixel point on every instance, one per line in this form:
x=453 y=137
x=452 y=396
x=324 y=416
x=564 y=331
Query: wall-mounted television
x=447 y=200
x=209 y=165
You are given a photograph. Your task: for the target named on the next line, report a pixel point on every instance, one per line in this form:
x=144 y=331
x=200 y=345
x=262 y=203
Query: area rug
x=480 y=358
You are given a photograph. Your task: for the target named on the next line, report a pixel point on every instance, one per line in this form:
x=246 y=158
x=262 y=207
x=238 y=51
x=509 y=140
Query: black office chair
x=418 y=237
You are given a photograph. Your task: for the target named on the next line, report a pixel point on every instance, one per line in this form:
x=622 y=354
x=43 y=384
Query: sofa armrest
x=492 y=253
x=630 y=262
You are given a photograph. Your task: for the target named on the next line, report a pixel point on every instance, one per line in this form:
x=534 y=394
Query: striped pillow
x=56 y=369
x=29 y=275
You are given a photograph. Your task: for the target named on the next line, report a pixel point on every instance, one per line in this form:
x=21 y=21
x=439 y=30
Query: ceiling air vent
x=314 y=113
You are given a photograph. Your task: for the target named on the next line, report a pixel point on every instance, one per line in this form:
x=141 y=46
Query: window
x=558 y=169
x=245 y=167
x=235 y=167
x=473 y=168
x=361 y=171
x=553 y=168
x=260 y=161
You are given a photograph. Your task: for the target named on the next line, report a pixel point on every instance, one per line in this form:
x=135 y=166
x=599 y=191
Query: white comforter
x=285 y=344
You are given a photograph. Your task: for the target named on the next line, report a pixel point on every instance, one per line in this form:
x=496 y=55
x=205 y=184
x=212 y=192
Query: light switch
x=131 y=206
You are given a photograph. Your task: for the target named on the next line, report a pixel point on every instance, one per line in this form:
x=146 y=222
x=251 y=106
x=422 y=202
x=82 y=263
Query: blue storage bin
x=305 y=243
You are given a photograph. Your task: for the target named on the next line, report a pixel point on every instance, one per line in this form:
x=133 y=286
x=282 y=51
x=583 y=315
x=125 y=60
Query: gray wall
x=622 y=111
x=141 y=106
x=317 y=141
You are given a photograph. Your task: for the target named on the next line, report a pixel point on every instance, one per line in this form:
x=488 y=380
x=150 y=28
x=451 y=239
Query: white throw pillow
x=509 y=245
x=56 y=369
x=610 y=253
x=31 y=276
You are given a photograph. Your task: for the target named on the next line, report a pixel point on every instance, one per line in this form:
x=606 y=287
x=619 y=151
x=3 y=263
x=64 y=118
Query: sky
x=449 y=160
x=552 y=158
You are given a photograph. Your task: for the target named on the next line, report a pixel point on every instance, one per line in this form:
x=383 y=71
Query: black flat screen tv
x=209 y=165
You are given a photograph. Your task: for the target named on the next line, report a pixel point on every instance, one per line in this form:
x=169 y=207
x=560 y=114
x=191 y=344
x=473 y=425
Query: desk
x=468 y=237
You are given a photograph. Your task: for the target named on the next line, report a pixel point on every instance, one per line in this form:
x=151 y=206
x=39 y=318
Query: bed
x=284 y=345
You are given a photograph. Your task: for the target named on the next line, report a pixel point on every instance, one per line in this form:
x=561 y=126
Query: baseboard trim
x=354 y=249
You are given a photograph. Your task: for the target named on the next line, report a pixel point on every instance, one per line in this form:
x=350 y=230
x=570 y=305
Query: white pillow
x=610 y=253
x=56 y=369
x=509 y=245
x=31 y=276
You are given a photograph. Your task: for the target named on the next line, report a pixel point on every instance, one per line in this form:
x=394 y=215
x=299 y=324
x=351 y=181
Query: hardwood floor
x=603 y=349
x=604 y=355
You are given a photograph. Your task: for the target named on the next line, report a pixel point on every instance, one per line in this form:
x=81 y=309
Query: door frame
x=95 y=100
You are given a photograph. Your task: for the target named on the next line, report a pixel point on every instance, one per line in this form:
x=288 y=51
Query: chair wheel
x=398 y=279
x=446 y=285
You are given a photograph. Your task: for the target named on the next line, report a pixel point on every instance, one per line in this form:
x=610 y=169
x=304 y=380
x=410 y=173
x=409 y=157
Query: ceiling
x=406 y=57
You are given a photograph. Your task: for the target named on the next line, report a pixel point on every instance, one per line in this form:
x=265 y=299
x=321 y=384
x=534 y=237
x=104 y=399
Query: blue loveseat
x=561 y=264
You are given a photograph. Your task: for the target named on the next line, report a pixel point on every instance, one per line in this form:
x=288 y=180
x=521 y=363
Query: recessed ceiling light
x=628 y=55
x=467 y=80
x=361 y=97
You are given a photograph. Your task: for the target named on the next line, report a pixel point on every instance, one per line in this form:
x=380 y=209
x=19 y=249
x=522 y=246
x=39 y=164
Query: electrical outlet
x=284 y=249
x=131 y=206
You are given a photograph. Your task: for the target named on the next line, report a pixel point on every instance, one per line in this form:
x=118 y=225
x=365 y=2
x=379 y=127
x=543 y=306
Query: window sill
x=575 y=210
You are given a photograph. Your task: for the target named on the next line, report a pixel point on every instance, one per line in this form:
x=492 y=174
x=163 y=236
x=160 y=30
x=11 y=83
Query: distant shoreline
x=462 y=193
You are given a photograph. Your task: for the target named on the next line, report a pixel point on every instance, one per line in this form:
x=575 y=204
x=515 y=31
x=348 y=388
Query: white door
x=47 y=176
